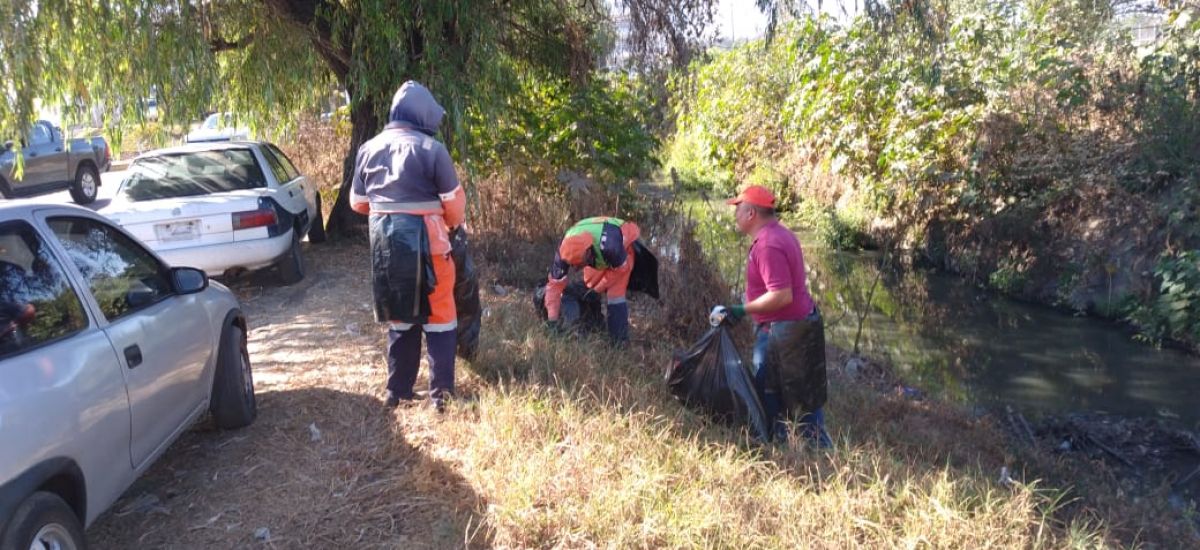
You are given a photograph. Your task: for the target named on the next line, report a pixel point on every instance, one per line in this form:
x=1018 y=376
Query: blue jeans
x=812 y=423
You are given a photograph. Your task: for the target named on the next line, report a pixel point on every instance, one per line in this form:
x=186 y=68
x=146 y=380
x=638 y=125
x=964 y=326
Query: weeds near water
x=578 y=444
x=573 y=443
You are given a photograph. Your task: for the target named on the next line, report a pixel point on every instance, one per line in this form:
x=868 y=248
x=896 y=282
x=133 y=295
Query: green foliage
x=998 y=132
x=91 y=59
x=916 y=113
x=1006 y=278
x=1175 y=312
x=1170 y=86
x=695 y=172
x=768 y=175
x=555 y=131
x=842 y=230
x=723 y=246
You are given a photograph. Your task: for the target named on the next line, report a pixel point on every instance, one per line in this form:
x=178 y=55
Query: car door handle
x=133 y=356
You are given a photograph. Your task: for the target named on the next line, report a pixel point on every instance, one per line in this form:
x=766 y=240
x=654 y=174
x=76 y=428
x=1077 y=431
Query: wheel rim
x=53 y=537
x=87 y=184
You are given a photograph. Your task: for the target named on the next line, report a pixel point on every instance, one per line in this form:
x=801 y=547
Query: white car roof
x=23 y=209
x=201 y=147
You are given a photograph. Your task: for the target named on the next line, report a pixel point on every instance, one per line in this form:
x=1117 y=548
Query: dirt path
x=324 y=465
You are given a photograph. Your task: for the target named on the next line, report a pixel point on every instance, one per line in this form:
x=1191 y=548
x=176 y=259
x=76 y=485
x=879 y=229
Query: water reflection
x=971 y=346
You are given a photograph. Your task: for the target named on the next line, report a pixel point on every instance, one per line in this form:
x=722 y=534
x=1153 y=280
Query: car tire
x=44 y=517
x=291 y=268
x=316 y=230
x=87 y=184
x=233 y=404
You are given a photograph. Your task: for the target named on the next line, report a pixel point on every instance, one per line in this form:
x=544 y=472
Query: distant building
x=1145 y=28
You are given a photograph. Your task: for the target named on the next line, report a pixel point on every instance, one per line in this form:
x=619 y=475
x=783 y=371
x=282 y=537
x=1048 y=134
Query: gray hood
x=414 y=106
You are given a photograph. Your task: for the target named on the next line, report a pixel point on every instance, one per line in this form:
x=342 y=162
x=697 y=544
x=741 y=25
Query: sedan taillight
x=263 y=217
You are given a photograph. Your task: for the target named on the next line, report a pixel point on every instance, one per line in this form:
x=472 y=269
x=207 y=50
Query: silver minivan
x=107 y=355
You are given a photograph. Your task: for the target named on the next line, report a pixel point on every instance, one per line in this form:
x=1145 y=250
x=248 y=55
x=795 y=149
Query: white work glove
x=717 y=315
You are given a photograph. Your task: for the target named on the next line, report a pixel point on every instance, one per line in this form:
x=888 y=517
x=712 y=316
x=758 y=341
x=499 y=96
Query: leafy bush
x=1175 y=312
x=843 y=230
x=1170 y=89
x=562 y=135
x=983 y=131
x=951 y=106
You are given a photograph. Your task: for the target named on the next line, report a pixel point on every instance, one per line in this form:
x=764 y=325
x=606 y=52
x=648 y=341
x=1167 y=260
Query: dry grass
x=565 y=443
x=577 y=445
x=366 y=481
x=318 y=150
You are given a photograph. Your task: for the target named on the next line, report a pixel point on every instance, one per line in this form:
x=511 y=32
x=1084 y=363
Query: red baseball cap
x=756 y=195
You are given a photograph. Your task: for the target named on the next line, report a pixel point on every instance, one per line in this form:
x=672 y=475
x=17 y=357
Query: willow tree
x=269 y=60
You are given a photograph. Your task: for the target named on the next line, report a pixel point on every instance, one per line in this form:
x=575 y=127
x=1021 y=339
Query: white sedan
x=222 y=207
x=218 y=127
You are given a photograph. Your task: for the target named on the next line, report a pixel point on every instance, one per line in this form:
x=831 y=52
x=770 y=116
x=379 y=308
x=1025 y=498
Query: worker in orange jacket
x=405 y=180
x=604 y=247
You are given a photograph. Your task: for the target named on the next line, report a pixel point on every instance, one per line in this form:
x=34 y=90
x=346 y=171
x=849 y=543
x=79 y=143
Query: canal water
x=965 y=344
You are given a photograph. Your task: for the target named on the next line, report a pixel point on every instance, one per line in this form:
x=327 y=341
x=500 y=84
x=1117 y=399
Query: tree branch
x=314 y=17
x=221 y=45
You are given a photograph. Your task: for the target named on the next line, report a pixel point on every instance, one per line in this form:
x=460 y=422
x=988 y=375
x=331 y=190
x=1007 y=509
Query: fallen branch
x=1020 y=425
x=1091 y=439
x=1187 y=478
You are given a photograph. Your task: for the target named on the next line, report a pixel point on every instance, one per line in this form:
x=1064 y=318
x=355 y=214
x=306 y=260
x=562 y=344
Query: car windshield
x=191 y=174
x=214 y=121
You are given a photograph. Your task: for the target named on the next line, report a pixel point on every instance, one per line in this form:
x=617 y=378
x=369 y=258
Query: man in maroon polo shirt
x=789 y=348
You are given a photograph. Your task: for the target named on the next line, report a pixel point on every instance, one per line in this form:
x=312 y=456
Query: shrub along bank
x=1028 y=146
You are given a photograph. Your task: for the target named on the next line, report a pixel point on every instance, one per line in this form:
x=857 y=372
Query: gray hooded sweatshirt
x=404 y=169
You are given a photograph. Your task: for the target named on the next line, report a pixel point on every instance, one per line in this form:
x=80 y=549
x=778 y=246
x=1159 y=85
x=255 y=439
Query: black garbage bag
x=466 y=294
x=797 y=361
x=582 y=309
x=711 y=377
x=644 y=277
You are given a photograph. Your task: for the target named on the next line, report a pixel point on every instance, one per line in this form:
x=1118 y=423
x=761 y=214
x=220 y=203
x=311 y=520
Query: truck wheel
x=291 y=267
x=44 y=521
x=87 y=184
x=316 y=231
x=233 y=404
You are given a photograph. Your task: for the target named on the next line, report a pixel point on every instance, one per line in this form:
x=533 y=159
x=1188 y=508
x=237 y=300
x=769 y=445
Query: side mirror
x=188 y=280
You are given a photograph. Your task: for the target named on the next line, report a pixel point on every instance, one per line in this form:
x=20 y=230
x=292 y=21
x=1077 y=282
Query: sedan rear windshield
x=190 y=174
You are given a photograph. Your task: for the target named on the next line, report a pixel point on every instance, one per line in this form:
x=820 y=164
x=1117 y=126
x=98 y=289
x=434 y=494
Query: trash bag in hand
x=711 y=377
x=466 y=294
x=582 y=309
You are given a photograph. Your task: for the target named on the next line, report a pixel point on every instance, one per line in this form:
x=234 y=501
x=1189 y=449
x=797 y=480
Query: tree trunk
x=364 y=124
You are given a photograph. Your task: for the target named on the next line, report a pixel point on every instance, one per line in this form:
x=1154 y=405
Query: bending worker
x=789 y=344
x=405 y=180
x=603 y=247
